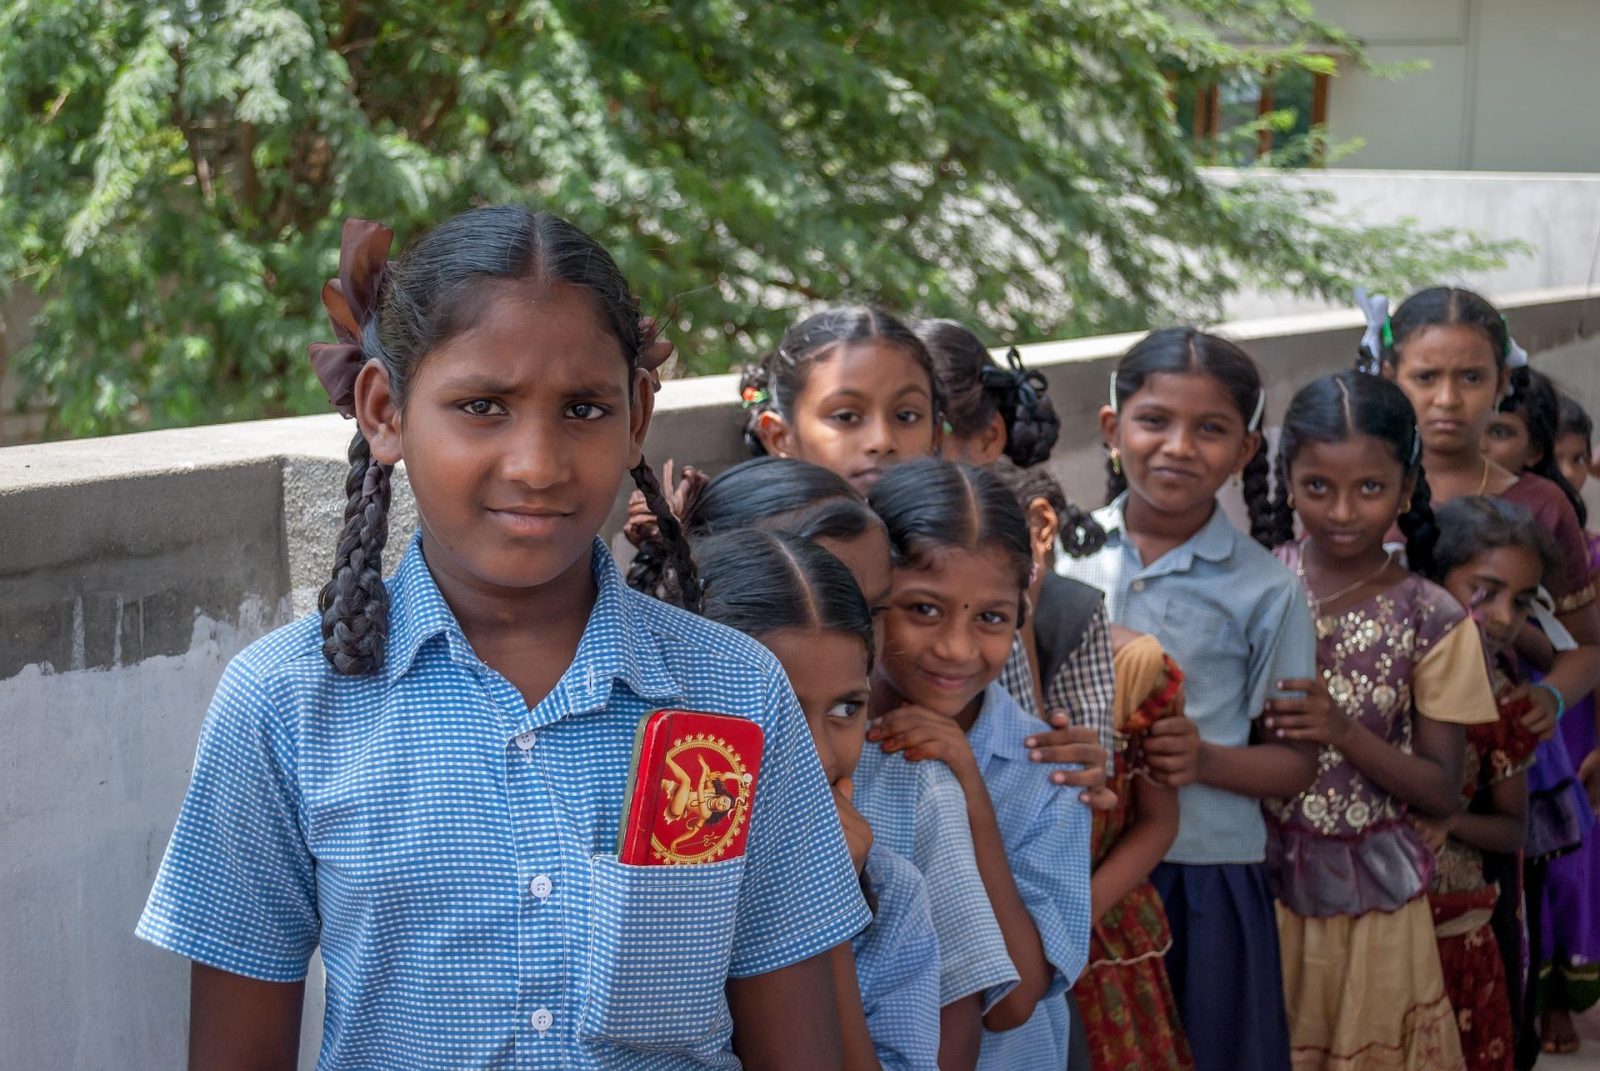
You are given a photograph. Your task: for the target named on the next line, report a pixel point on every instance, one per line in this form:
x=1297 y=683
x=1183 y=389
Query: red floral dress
x=1126 y=1000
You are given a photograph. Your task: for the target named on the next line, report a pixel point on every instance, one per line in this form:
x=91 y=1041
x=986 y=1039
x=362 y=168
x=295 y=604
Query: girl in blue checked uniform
x=814 y=504
x=426 y=779
x=804 y=606
x=962 y=562
x=1184 y=416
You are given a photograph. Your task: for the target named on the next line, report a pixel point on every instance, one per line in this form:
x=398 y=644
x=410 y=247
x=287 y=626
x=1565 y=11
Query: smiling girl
x=1184 y=416
x=377 y=780
x=962 y=561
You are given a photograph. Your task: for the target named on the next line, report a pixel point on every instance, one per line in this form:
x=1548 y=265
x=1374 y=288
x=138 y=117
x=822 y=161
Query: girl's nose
x=534 y=456
x=880 y=437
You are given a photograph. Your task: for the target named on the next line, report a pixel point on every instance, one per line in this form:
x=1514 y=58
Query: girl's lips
x=945 y=682
x=529 y=525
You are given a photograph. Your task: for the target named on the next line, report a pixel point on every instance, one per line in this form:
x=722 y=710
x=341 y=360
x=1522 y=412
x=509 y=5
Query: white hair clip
x=1261 y=407
x=1375 y=307
x=1111 y=395
x=1516 y=356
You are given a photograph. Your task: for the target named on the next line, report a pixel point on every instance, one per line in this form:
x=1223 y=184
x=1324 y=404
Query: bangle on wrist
x=1561 y=702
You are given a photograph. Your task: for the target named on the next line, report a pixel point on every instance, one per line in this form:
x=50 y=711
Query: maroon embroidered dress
x=1361 y=967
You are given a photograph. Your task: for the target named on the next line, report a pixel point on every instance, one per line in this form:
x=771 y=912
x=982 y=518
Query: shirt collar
x=982 y=736
x=1214 y=542
x=617 y=642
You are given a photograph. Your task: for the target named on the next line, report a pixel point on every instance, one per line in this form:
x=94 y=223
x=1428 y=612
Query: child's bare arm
x=1505 y=828
x=1141 y=846
x=242 y=1024
x=859 y=1055
x=787 y=1018
x=960 y=1033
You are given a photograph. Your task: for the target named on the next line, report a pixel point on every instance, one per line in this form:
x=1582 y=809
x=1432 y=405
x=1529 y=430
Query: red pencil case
x=691 y=786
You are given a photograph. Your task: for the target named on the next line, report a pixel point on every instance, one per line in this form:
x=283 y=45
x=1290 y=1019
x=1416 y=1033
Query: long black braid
x=354 y=603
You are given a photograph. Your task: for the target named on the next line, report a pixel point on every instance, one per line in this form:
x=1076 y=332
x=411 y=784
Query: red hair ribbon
x=351 y=300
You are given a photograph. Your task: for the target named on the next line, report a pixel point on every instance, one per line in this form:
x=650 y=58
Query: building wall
x=136 y=566
x=1510 y=85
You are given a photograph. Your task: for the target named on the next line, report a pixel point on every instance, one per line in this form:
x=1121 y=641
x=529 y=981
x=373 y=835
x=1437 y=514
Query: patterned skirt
x=1367 y=992
x=1128 y=1009
x=1475 y=977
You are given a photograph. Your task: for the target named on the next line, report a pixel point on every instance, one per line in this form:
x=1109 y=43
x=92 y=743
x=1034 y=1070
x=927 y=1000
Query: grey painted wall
x=136 y=566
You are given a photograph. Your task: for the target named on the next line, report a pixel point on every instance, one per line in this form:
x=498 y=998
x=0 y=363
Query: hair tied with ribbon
x=1378 y=336
x=351 y=301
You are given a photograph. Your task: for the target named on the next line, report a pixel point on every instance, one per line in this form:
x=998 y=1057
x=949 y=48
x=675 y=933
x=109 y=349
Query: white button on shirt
x=541 y=1020
x=541 y=887
x=526 y=740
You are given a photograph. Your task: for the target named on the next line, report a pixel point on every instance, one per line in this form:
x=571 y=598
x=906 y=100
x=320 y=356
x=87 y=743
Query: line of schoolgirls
x=1041 y=788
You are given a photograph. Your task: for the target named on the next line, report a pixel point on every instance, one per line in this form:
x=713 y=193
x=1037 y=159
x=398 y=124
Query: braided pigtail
x=1257 y=488
x=1282 y=513
x=1419 y=527
x=355 y=603
x=756 y=397
x=1032 y=426
x=675 y=578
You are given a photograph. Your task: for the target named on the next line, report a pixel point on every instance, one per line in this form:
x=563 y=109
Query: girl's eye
x=923 y=609
x=908 y=416
x=1473 y=377
x=1316 y=487
x=1211 y=429
x=482 y=407
x=1371 y=487
x=844 y=416
x=993 y=617
x=1423 y=378
x=1151 y=420
x=845 y=711
x=585 y=411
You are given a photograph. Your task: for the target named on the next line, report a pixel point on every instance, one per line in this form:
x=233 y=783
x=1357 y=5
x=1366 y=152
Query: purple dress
x=1570 y=976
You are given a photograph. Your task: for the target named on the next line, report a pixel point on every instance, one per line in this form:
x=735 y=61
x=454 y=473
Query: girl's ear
x=1044 y=525
x=1108 y=425
x=1247 y=450
x=775 y=434
x=378 y=412
x=640 y=410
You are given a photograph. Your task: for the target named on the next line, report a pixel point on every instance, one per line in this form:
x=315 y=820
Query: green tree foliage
x=173 y=175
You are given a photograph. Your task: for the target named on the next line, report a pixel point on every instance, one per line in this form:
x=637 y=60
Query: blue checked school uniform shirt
x=1236 y=622
x=897 y=965
x=453 y=852
x=1046 y=838
x=918 y=811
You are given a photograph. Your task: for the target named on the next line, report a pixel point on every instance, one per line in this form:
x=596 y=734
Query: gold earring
x=1238 y=483
x=1116 y=461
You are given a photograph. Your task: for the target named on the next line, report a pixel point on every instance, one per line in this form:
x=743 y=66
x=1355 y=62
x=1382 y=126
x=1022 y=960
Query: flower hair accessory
x=351 y=300
x=751 y=397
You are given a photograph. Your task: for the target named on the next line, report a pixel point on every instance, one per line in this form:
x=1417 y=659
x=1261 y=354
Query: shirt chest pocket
x=660 y=941
x=1195 y=628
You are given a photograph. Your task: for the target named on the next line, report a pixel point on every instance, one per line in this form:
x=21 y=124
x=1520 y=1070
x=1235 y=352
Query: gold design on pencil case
x=702 y=812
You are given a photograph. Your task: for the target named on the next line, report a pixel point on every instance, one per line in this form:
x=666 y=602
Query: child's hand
x=1434 y=832
x=1068 y=743
x=857 y=833
x=1589 y=778
x=920 y=734
x=1540 y=720
x=1172 y=751
x=1312 y=716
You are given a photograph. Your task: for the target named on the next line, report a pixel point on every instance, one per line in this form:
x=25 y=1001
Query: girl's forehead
x=526 y=330
x=870 y=366
x=1357 y=450
x=1447 y=345
x=1197 y=392
x=1516 y=566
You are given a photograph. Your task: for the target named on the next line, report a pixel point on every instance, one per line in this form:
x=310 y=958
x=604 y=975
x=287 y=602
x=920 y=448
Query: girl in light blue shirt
x=1184 y=416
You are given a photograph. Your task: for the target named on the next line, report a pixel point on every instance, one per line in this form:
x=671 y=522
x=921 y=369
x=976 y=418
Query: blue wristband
x=1561 y=703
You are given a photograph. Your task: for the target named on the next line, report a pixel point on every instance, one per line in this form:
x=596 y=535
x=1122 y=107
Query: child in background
x=802 y=604
x=804 y=500
x=850 y=389
x=1491 y=556
x=989 y=411
x=1185 y=415
x=962 y=564
x=376 y=780
x=1405 y=671
x=1570 y=981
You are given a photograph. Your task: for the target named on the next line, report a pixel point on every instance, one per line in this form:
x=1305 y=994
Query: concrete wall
x=136 y=566
x=1509 y=86
x=1558 y=216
